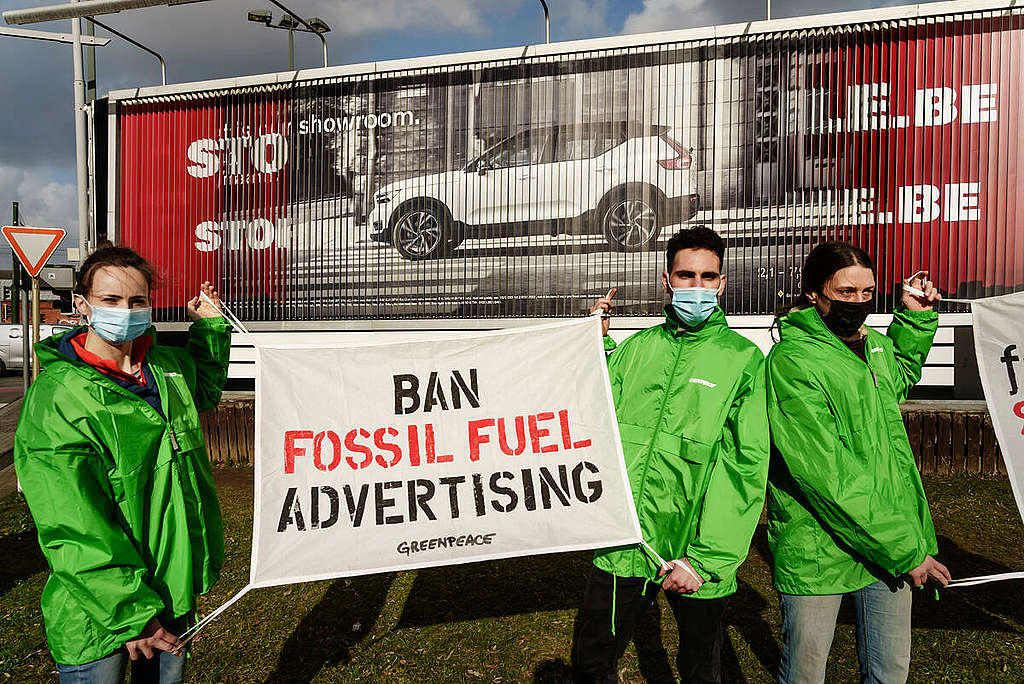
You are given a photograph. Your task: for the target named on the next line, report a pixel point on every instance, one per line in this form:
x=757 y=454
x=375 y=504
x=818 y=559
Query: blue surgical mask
x=117 y=325
x=694 y=305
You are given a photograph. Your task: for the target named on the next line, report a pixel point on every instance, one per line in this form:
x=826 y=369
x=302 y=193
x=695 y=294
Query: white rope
x=196 y=628
x=984 y=579
x=224 y=311
x=919 y=293
x=667 y=565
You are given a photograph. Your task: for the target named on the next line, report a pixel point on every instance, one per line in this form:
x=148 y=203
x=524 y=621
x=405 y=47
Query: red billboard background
x=900 y=136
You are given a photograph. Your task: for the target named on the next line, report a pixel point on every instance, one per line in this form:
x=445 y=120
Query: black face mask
x=845 y=318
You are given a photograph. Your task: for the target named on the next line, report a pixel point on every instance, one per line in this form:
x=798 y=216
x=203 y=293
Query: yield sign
x=33 y=246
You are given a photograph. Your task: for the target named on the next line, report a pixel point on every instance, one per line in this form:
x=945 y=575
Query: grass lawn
x=512 y=620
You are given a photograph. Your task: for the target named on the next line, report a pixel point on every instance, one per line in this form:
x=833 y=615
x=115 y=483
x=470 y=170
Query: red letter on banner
x=567 y=443
x=291 y=451
x=476 y=439
x=318 y=456
x=536 y=433
x=350 y=444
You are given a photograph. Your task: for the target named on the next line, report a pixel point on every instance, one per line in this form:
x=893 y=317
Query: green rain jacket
x=690 y=408
x=845 y=502
x=123 y=500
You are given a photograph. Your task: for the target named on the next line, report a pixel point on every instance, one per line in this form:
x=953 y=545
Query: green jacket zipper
x=95 y=376
x=657 y=430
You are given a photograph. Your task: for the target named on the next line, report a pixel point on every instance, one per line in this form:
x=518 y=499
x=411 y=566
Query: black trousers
x=596 y=651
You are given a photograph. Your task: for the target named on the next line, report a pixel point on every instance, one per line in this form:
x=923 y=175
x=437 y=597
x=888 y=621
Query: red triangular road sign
x=33 y=246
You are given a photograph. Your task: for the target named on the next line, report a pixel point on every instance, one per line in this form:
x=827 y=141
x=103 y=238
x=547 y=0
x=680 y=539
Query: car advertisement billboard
x=530 y=186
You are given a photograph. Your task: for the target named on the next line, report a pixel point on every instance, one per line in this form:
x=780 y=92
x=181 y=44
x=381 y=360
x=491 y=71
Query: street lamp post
x=163 y=65
x=54 y=37
x=75 y=11
x=81 y=141
x=547 y=22
x=291 y=22
x=84 y=8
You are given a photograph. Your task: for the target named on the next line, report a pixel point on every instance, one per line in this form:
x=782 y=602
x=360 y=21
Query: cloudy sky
x=214 y=40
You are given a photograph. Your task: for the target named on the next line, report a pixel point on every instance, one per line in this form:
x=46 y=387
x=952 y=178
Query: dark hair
x=822 y=263
x=700 y=237
x=107 y=254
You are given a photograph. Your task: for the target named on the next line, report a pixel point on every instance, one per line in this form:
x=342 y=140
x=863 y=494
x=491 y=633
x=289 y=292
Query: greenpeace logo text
x=700 y=381
x=407 y=548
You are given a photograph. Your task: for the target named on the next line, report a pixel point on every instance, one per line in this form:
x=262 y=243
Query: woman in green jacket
x=846 y=510
x=113 y=464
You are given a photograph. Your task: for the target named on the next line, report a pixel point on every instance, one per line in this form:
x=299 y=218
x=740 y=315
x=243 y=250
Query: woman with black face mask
x=846 y=510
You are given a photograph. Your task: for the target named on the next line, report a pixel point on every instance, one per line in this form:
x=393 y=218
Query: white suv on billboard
x=623 y=180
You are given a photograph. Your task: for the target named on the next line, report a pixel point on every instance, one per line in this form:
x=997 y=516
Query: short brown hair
x=700 y=237
x=108 y=255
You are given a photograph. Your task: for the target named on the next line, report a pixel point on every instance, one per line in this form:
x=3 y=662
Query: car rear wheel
x=422 y=231
x=631 y=224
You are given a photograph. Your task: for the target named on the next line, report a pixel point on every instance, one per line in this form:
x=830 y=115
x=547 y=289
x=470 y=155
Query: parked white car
x=12 y=343
x=623 y=180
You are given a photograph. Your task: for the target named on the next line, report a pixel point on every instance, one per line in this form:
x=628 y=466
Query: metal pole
x=291 y=50
x=35 y=327
x=81 y=153
x=26 y=344
x=163 y=66
x=88 y=8
x=769 y=9
x=90 y=64
x=547 y=21
x=51 y=36
x=306 y=24
x=15 y=277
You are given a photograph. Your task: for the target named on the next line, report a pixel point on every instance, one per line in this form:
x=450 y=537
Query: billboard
x=529 y=186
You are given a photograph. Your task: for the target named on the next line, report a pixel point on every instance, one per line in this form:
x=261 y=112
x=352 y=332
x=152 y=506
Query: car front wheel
x=631 y=224
x=421 y=232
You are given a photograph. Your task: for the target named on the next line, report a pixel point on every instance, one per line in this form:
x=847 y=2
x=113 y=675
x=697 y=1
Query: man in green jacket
x=689 y=399
x=111 y=458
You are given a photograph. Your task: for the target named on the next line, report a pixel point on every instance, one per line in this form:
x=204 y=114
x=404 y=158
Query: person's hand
x=929 y=568
x=605 y=305
x=153 y=638
x=200 y=308
x=683 y=579
x=915 y=302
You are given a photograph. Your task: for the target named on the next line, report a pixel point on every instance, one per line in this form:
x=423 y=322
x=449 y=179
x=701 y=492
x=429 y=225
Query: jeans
x=596 y=651
x=162 y=668
x=883 y=634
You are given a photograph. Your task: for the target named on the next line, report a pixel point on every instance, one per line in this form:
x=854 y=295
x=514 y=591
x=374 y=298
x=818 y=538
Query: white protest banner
x=999 y=345
x=413 y=454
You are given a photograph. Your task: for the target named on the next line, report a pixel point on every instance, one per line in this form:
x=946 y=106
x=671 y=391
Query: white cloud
x=43 y=200
x=581 y=18
x=355 y=17
x=666 y=15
